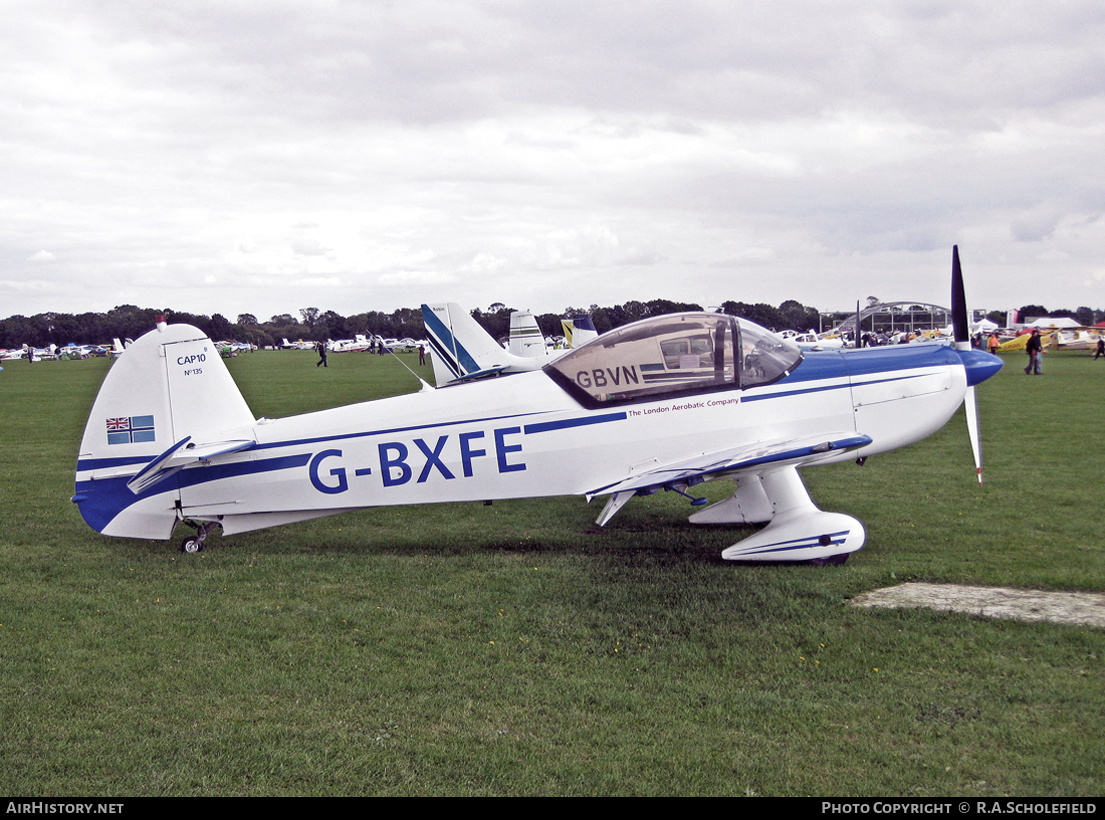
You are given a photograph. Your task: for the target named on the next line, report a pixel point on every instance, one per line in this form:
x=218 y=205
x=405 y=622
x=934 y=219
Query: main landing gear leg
x=194 y=543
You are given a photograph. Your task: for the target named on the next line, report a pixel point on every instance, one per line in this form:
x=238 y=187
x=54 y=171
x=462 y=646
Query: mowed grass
x=515 y=649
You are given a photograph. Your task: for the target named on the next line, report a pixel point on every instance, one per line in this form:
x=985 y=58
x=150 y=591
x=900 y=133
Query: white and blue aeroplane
x=662 y=404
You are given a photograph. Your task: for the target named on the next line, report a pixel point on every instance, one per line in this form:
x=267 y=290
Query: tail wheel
x=194 y=543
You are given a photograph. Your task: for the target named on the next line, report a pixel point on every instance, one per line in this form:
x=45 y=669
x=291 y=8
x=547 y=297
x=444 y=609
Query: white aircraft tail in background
x=579 y=330
x=461 y=349
x=526 y=338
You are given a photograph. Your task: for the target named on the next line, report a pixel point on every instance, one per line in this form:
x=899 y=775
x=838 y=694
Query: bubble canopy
x=674 y=355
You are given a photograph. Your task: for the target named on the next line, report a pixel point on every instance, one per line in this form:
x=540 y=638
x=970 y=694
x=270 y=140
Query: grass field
x=515 y=649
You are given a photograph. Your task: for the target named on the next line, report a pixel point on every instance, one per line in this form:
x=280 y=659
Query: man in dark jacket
x=1035 y=350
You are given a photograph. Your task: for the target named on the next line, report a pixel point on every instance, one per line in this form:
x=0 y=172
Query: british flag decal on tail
x=130 y=429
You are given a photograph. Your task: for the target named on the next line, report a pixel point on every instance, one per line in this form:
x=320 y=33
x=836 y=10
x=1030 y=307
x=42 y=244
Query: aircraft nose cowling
x=979 y=365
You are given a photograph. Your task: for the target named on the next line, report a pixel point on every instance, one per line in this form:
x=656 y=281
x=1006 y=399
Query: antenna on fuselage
x=425 y=385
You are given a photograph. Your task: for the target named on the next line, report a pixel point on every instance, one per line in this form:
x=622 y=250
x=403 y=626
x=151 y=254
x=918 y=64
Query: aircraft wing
x=690 y=471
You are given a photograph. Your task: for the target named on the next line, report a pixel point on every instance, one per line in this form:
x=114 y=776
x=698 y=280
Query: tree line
x=313 y=324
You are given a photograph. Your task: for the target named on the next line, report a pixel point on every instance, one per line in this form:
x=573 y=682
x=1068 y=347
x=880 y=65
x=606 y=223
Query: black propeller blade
x=960 y=325
x=962 y=331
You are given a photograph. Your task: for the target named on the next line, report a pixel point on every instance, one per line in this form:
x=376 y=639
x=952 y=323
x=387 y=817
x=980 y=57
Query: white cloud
x=238 y=157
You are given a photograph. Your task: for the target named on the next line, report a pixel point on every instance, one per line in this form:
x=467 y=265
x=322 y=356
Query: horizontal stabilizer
x=179 y=456
x=480 y=374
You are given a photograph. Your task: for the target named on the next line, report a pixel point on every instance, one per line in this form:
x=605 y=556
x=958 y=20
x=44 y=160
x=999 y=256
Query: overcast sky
x=263 y=156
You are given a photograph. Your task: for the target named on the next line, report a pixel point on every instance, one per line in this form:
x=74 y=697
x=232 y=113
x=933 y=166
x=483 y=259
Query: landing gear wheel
x=194 y=543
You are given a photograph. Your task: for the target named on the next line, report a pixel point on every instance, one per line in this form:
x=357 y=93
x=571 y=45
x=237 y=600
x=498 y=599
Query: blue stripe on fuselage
x=828 y=364
x=582 y=421
x=84 y=464
x=841 y=370
x=873 y=360
x=101 y=500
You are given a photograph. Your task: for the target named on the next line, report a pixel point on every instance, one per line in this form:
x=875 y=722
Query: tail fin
x=526 y=338
x=579 y=330
x=168 y=391
x=461 y=349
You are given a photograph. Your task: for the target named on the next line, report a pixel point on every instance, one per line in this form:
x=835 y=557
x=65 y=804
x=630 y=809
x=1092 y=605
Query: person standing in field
x=1035 y=350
